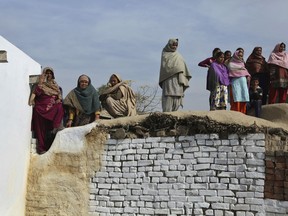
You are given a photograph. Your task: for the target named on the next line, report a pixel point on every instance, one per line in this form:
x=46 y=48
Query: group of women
x=228 y=81
x=82 y=104
x=228 y=78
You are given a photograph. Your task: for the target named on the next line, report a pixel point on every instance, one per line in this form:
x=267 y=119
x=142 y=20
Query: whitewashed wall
x=15 y=129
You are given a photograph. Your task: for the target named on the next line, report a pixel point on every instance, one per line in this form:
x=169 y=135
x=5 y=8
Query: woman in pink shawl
x=48 y=112
x=278 y=69
x=240 y=78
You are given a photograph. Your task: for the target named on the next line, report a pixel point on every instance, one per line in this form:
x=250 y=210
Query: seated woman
x=48 y=112
x=82 y=103
x=118 y=98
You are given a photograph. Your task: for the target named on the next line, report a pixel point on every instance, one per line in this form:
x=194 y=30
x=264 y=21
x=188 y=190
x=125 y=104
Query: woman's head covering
x=48 y=69
x=236 y=66
x=51 y=87
x=88 y=97
x=256 y=63
x=117 y=76
x=278 y=58
x=168 y=47
x=78 y=81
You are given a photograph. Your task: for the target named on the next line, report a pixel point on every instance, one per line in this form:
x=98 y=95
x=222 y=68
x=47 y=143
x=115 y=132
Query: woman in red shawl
x=47 y=108
x=258 y=68
x=278 y=69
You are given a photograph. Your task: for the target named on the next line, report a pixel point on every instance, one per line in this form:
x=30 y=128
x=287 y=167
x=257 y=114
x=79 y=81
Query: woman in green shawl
x=82 y=103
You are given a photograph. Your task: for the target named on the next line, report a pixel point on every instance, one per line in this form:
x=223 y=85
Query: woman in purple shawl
x=217 y=82
x=48 y=112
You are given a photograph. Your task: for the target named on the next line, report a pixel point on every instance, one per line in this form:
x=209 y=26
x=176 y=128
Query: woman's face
x=113 y=80
x=83 y=82
x=49 y=75
x=174 y=45
x=227 y=55
x=258 y=51
x=220 y=59
x=282 y=48
x=240 y=54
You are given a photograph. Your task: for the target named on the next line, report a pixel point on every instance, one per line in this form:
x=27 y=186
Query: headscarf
x=88 y=97
x=109 y=89
x=278 y=58
x=256 y=63
x=172 y=63
x=50 y=87
x=236 y=66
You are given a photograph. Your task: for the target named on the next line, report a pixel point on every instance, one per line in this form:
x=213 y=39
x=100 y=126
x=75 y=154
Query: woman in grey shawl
x=174 y=77
x=118 y=98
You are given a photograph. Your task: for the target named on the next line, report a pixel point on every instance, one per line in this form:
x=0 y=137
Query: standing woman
x=174 y=77
x=217 y=83
x=278 y=66
x=118 y=98
x=82 y=103
x=48 y=112
x=240 y=78
x=258 y=69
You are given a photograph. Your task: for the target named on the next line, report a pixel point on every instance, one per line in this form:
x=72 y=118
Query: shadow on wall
x=58 y=182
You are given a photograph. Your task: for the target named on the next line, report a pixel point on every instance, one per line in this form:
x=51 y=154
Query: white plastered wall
x=15 y=128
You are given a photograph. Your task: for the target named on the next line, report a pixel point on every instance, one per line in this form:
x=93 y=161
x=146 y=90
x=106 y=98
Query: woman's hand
x=58 y=101
x=69 y=123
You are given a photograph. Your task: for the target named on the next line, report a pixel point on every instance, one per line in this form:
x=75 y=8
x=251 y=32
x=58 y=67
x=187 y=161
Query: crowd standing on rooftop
x=230 y=80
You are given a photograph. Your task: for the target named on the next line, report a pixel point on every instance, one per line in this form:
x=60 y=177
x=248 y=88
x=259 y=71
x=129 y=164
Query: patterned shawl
x=256 y=63
x=278 y=58
x=50 y=87
x=236 y=66
x=172 y=63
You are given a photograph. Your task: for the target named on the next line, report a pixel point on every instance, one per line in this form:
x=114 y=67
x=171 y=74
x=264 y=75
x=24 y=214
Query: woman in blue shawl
x=217 y=82
x=83 y=103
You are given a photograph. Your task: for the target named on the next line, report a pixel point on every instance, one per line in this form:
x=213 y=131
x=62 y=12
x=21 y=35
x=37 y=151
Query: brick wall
x=186 y=175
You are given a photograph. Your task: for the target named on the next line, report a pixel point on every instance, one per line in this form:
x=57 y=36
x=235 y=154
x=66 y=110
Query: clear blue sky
x=101 y=37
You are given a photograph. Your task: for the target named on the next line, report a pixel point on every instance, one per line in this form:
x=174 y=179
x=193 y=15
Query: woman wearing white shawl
x=174 y=77
x=118 y=98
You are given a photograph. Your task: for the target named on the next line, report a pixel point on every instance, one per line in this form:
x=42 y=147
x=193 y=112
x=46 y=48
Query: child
x=255 y=94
